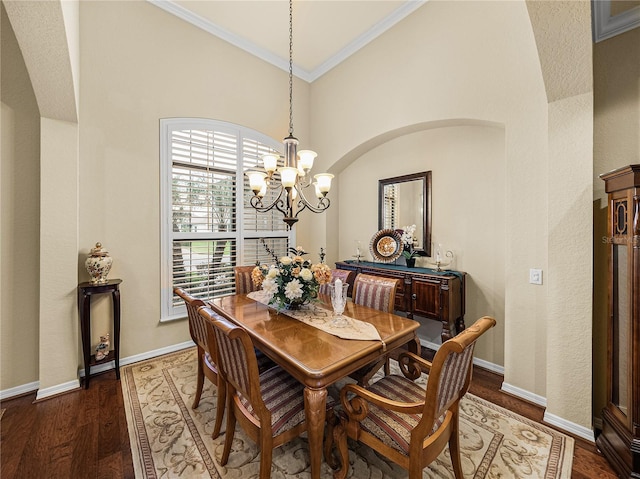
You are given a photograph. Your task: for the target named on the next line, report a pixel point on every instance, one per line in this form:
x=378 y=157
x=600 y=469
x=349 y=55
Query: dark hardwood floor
x=83 y=434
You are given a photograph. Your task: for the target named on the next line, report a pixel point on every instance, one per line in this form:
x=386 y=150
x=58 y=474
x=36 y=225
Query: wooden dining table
x=316 y=358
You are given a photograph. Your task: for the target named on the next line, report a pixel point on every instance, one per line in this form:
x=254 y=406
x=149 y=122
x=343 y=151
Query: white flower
x=270 y=287
x=273 y=272
x=285 y=261
x=293 y=290
x=407 y=235
x=306 y=274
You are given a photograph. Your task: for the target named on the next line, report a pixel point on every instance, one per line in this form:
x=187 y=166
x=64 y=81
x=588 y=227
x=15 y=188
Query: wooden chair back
x=375 y=292
x=269 y=405
x=345 y=276
x=242 y=275
x=206 y=345
x=197 y=327
x=401 y=420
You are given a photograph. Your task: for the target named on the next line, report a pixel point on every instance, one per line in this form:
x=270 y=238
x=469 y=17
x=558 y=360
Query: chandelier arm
x=303 y=203
x=277 y=203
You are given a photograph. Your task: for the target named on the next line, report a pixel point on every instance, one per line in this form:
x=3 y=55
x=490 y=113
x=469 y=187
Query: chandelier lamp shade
x=295 y=176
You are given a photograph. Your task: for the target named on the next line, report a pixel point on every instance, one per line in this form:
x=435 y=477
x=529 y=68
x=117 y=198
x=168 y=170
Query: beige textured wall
x=467 y=165
x=19 y=212
x=450 y=66
x=443 y=65
x=140 y=64
x=616 y=143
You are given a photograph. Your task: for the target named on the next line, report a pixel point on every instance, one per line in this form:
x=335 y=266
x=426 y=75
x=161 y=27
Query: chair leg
x=340 y=438
x=231 y=428
x=200 y=383
x=387 y=367
x=222 y=393
x=266 y=455
x=454 y=445
x=332 y=420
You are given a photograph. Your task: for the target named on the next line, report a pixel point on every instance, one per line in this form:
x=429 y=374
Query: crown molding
x=375 y=31
x=607 y=26
x=283 y=63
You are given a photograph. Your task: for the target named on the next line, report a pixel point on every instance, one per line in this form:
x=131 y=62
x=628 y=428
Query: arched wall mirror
x=406 y=200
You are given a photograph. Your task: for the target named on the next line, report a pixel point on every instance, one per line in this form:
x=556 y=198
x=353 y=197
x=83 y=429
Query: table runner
x=315 y=315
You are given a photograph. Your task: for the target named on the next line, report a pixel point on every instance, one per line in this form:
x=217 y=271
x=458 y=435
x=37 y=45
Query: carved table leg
x=315 y=405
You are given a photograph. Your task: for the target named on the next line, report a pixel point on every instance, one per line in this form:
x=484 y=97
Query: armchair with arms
x=404 y=422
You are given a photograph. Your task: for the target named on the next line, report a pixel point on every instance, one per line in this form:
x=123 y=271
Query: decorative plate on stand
x=386 y=246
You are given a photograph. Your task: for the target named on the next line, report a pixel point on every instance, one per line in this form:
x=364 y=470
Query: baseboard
x=570 y=427
x=57 y=390
x=19 y=390
x=495 y=368
x=524 y=394
x=139 y=357
x=75 y=384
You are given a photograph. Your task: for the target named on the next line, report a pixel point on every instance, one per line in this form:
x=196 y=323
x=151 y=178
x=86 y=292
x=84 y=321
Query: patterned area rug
x=171 y=440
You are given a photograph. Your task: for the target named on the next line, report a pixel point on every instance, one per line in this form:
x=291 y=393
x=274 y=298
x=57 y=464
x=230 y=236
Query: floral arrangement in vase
x=292 y=281
x=407 y=238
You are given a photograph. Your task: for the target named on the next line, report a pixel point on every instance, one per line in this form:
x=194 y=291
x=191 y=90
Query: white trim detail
x=19 y=390
x=283 y=63
x=570 y=427
x=140 y=357
x=59 y=389
x=495 y=368
x=524 y=394
x=75 y=384
x=605 y=26
x=374 y=32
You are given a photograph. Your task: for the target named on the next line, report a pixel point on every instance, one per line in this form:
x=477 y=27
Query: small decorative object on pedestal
x=102 y=349
x=98 y=264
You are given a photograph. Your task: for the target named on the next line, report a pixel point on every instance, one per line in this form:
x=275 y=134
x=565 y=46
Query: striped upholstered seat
x=268 y=406
x=401 y=420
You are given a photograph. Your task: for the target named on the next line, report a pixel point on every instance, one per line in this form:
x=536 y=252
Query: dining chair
x=244 y=283
x=403 y=421
x=206 y=356
x=269 y=406
x=379 y=293
x=345 y=276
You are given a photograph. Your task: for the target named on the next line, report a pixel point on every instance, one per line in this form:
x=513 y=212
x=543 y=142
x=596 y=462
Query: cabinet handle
x=414 y=296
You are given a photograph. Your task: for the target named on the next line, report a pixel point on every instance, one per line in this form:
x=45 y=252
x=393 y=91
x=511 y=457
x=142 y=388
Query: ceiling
x=325 y=32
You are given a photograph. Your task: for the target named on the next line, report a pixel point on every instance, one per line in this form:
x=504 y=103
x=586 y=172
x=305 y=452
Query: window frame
x=169 y=312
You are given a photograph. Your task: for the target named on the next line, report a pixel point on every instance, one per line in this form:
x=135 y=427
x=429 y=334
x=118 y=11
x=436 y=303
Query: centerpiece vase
x=411 y=262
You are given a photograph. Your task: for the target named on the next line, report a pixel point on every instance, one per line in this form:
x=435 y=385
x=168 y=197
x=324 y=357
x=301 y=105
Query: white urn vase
x=98 y=264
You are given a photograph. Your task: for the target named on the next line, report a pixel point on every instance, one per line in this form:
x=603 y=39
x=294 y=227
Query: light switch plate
x=535 y=276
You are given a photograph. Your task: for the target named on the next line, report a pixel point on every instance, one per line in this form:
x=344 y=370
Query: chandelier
x=295 y=175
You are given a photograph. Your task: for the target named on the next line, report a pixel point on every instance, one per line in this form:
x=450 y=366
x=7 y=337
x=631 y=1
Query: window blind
x=210 y=226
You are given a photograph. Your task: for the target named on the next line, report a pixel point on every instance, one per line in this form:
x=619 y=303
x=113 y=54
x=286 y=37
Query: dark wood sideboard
x=423 y=292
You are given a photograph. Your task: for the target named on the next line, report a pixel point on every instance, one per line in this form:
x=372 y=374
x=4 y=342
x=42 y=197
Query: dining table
x=314 y=356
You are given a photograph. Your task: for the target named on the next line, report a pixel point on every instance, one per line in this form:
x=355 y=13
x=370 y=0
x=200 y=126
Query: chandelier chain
x=290 y=67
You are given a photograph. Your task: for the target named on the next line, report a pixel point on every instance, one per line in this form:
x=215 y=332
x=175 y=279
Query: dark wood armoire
x=620 y=437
